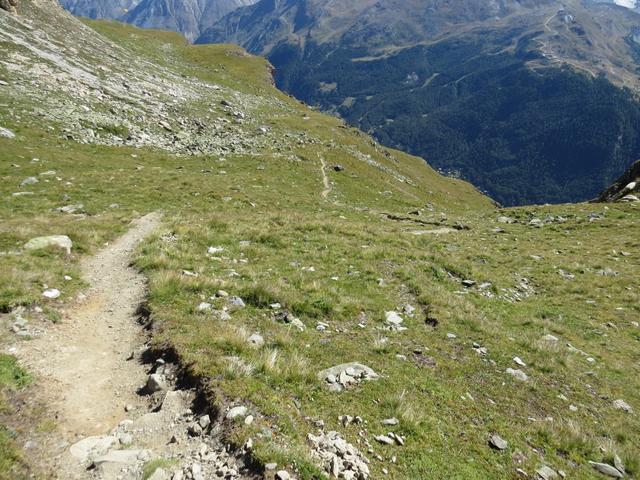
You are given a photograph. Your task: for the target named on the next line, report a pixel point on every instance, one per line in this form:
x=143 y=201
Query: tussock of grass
x=12 y=377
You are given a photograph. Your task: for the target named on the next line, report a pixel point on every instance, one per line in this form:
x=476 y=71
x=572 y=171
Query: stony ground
x=317 y=305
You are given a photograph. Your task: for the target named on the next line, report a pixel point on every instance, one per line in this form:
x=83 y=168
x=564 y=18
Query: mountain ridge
x=189 y=17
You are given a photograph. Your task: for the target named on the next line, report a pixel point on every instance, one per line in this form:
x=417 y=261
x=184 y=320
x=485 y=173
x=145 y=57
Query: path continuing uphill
x=325 y=179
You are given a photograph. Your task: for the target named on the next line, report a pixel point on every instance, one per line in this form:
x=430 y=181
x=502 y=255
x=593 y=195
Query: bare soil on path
x=82 y=364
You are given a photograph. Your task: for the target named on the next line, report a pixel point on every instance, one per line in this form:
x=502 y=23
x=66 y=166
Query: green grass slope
x=340 y=253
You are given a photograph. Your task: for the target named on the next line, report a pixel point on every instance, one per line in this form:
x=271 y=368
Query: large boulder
x=623 y=188
x=60 y=241
x=92 y=446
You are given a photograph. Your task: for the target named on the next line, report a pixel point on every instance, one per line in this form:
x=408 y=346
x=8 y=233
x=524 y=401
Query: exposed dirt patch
x=326 y=183
x=82 y=362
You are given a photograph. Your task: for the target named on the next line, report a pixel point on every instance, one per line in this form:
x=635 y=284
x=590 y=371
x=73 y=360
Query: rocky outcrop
x=9 y=5
x=624 y=189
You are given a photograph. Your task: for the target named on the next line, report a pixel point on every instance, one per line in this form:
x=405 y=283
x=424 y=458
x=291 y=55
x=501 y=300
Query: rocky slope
x=315 y=304
x=8 y=5
x=189 y=17
x=111 y=9
x=625 y=188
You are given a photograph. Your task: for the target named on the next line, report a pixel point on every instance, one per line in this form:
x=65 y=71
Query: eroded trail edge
x=116 y=410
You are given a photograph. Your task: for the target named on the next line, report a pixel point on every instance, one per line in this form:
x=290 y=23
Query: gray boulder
x=256 y=340
x=547 y=473
x=89 y=446
x=517 y=374
x=607 y=470
x=29 y=181
x=346 y=374
x=6 y=133
x=156 y=383
x=236 y=412
x=60 y=241
x=498 y=442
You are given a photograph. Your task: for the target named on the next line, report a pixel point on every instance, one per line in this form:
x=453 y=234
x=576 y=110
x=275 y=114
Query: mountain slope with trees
x=533 y=102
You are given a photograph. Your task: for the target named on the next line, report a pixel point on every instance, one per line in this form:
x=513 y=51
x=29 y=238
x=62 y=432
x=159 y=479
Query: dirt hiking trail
x=81 y=364
x=114 y=415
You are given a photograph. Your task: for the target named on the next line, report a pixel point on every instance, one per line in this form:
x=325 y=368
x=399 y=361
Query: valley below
x=533 y=102
x=202 y=277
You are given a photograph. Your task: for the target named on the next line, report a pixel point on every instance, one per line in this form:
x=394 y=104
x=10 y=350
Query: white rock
x=498 y=442
x=256 y=340
x=518 y=361
x=622 y=405
x=547 y=473
x=214 y=250
x=236 y=302
x=156 y=383
x=205 y=307
x=6 y=133
x=204 y=421
x=617 y=462
x=174 y=402
x=408 y=309
x=29 y=181
x=361 y=371
x=393 y=318
x=236 y=412
x=517 y=374
x=607 y=470
x=385 y=440
x=51 y=293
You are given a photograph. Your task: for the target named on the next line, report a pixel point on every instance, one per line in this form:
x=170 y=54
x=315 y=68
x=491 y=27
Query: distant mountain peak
x=189 y=17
